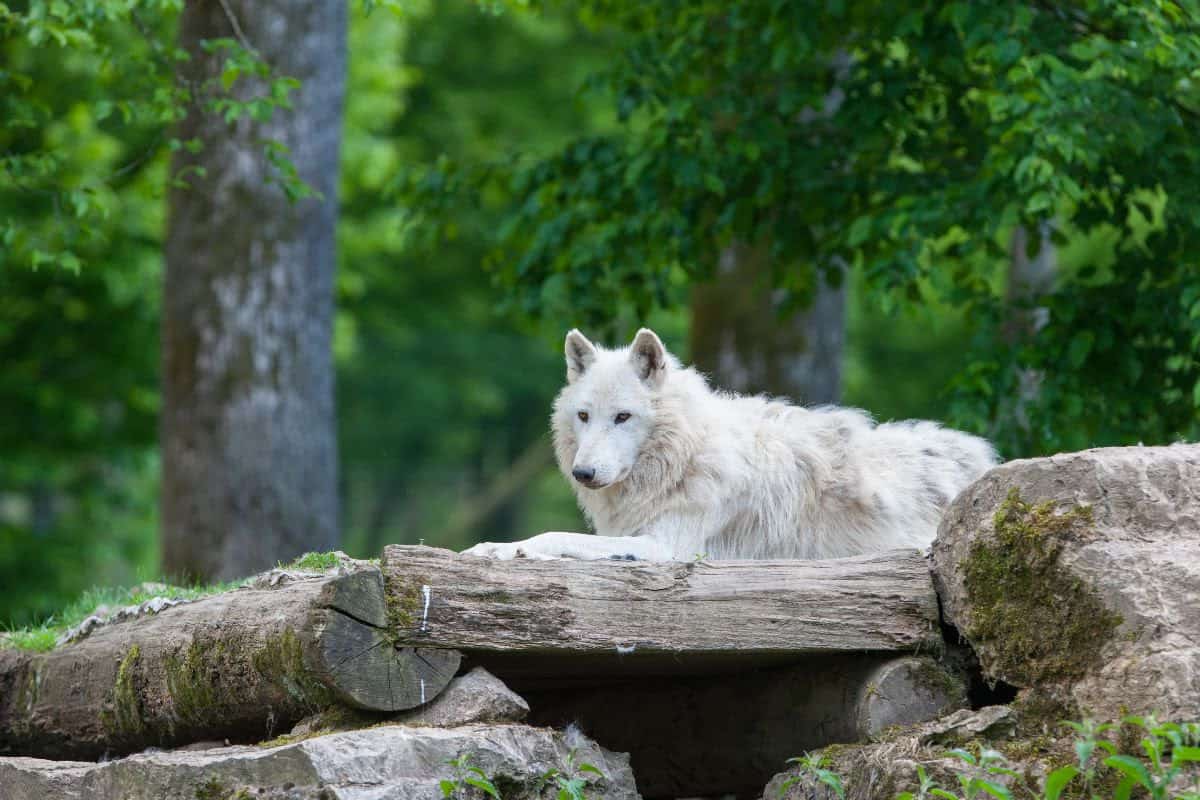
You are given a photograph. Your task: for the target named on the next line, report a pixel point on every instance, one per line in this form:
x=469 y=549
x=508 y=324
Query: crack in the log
x=358 y=655
x=432 y=668
x=357 y=619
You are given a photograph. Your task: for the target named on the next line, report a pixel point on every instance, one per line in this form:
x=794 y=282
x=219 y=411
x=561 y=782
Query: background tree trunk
x=1028 y=280
x=248 y=436
x=739 y=338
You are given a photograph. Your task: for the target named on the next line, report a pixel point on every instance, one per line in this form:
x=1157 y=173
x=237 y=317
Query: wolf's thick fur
x=667 y=468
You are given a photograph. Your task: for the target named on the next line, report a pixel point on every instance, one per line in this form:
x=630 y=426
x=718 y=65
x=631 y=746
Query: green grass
x=317 y=562
x=40 y=638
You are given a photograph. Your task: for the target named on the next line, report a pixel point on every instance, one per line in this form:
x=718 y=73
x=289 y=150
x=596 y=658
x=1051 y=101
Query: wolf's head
x=606 y=412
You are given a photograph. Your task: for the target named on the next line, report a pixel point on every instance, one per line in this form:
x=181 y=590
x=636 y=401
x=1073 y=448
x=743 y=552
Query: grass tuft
x=316 y=562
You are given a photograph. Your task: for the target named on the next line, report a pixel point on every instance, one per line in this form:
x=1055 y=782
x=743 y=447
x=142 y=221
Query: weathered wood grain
x=562 y=618
x=243 y=665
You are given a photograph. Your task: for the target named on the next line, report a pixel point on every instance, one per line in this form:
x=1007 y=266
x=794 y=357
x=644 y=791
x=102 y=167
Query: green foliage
x=88 y=94
x=439 y=394
x=571 y=782
x=1165 y=764
x=435 y=389
x=907 y=142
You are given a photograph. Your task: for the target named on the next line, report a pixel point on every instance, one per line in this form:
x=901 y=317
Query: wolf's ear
x=649 y=357
x=580 y=354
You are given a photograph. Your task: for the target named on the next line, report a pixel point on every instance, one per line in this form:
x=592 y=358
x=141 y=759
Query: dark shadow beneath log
x=729 y=735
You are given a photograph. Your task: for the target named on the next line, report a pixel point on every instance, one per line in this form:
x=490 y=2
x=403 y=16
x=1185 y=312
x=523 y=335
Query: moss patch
x=124 y=716
x=281 y=662
x=404 y=605
x=213 y=789
x=1032 y=621
x=192 y=677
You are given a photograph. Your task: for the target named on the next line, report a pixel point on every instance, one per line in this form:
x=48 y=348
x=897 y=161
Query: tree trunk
x=739 y=338
x=564 y=622
x=1028 y=280
x=248 y=436
x=243 y=665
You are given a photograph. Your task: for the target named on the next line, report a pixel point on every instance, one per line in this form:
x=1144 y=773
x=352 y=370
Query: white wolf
x=665 y=468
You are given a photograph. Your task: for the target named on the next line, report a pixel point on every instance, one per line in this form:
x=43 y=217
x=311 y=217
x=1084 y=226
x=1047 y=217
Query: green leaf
x=1181 y=755
x=1081 y=345
x=963 y=755
x=831 y=780
x=483 y=784
x=1057 y=780
x=1132 y=768
x=1124 y=789
x=996 y=790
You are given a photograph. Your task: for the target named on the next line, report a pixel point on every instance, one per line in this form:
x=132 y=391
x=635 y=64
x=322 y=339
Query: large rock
x=383 y=763
x=478 y=696
x=1079 y=575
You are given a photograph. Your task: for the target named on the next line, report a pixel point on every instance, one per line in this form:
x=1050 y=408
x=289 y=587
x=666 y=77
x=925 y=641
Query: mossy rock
x=1033 y=621
x=1075 y=578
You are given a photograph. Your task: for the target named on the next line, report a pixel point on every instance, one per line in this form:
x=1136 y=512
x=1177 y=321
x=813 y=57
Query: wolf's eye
x=622 y=417
x=583 y=416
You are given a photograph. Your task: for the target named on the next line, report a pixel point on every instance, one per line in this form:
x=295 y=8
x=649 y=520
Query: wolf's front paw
x=504 y=551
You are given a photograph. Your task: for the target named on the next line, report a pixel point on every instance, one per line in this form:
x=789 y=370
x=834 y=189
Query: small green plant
x=572 y=779
x=989 y=766
x=1169 y=748
x=815 y=765
x=466 y=775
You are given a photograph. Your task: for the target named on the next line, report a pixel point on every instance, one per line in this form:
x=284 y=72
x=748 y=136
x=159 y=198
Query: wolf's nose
x=583 y=475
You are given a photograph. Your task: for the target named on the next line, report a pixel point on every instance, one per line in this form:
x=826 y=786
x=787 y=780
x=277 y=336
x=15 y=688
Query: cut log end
x=364 y=669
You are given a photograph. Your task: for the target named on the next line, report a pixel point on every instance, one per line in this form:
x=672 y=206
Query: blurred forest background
x=982 y=214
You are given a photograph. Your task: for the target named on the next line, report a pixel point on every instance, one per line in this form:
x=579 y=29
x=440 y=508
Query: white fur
x=695 y=472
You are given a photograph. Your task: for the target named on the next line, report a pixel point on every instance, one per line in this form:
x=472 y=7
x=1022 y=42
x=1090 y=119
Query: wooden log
x=537 y=623
x=243 y=665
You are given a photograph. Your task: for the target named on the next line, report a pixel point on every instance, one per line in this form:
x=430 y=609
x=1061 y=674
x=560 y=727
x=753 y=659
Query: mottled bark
x=739 y=337
x=248 y=436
